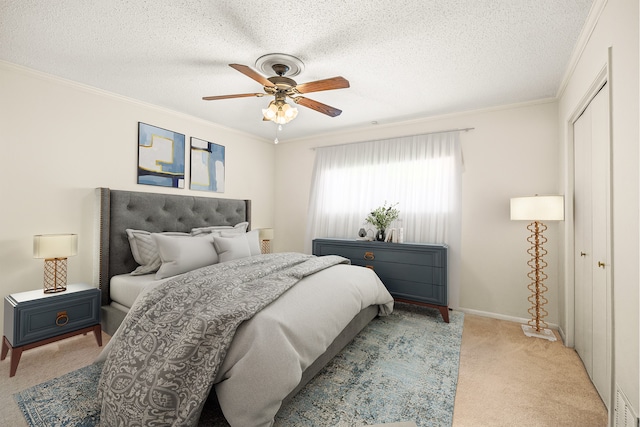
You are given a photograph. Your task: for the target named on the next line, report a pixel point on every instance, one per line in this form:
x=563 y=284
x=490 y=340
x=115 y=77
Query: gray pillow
x=144 y=250
x=180 y=255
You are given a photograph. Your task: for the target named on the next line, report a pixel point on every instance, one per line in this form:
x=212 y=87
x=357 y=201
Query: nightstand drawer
x=47 y=317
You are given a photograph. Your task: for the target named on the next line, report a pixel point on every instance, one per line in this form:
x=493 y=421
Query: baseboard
x=503 y=317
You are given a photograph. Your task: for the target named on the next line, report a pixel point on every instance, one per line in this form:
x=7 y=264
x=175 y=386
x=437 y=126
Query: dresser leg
x=444 y=311
x=97 y=331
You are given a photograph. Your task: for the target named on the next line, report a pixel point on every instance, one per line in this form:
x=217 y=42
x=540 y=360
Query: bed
x=249 y=386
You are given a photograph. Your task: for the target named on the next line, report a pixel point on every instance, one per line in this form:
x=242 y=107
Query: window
x=421 y=173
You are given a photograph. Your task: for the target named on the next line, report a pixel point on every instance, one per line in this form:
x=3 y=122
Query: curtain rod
x=402 y=136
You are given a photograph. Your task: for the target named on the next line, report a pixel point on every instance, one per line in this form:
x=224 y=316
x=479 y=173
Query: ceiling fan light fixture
x=270 y=112
x=280 y=112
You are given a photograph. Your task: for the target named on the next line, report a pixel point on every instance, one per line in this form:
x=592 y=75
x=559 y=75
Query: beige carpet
x=505 y=378
x=508 y=379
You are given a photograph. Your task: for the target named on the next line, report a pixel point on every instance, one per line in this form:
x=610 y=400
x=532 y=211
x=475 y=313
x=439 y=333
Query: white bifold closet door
x=592 y=226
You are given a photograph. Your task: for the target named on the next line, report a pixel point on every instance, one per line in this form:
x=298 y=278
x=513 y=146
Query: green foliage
x=383 y=216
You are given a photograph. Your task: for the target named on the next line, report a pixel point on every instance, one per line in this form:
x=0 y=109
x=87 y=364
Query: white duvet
x=270 y=351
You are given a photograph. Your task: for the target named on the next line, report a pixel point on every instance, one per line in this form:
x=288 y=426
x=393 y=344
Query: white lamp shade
x=538 y=208
x=266 y=234
x=55 y=245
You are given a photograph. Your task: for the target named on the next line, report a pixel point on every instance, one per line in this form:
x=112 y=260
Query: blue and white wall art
x=160 y=156
x=207 y=166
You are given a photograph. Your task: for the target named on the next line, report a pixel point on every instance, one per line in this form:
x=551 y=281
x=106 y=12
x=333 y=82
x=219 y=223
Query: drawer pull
x=369 y=256
x=62 y=318
x=369 y=266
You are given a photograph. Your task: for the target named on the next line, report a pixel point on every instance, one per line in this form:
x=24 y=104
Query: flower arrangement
x=383 y=216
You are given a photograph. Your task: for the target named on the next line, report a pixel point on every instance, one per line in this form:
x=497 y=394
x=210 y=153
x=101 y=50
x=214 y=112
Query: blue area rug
x=403 y=367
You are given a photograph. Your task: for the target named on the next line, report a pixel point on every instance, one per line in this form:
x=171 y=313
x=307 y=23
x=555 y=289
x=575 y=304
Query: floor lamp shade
x=537 y=209
x=55 y=248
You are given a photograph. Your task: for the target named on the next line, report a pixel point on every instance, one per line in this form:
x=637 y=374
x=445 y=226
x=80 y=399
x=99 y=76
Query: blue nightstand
x=33 y=318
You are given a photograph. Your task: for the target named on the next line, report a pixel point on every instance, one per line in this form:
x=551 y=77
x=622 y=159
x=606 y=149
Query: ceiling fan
x=282 y=87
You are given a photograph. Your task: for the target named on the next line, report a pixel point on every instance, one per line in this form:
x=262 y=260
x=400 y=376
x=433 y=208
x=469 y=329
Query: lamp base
x=546 y=334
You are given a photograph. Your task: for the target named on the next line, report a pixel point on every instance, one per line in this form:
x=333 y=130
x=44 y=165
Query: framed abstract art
x=207 y=166
x=161 y=156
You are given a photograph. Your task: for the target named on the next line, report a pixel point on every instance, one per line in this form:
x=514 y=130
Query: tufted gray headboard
x=154 y=212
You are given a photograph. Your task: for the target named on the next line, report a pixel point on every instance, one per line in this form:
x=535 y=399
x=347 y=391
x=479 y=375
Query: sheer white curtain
x=421 y=173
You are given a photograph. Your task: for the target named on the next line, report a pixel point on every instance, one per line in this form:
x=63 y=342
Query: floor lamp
x=537 y=209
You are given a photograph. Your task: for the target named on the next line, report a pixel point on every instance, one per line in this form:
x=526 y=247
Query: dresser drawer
x=410 y=272
x=415 y=291
x=398 y=255
x=38 y=319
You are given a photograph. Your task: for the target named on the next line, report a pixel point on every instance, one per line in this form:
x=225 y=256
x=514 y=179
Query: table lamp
x=55 y=248
x=266 y=236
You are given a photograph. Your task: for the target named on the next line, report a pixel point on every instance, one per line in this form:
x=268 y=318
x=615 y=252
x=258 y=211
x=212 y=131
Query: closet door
x=583 y=225
x=592 y=227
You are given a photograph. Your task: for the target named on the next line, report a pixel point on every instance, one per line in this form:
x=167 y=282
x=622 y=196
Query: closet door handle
x=600 y=264
x=583 y=254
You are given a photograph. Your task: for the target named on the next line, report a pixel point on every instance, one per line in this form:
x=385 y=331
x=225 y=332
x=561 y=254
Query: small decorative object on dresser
x=412 y=272
x=381 y=218
x=32 y=319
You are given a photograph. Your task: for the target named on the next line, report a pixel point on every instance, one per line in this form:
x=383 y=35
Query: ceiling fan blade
x=250 y=72
x=318 y=106
x=239 y=95
x=326 y=84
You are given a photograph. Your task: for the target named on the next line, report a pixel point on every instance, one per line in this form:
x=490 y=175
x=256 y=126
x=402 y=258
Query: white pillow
x=252 y=237
x=180 y=255
x=144 y=250
x=217 y=229
x=233 y=246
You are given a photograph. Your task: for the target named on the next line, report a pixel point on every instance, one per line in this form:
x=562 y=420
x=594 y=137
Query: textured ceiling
x=404 y=59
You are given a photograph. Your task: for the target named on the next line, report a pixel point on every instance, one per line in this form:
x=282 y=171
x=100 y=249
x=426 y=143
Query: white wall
x=617 y=27
x=513 y=151
x=59 y=140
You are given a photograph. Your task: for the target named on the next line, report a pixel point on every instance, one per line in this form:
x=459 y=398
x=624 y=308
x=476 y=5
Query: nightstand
x=33 y=318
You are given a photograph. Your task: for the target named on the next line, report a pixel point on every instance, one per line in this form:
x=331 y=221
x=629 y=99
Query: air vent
x=624 y=415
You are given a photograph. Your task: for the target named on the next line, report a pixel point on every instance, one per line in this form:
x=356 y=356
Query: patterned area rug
x=403 y=367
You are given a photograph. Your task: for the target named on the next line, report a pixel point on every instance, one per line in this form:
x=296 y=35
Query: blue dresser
x=33 y=318
x=412 y=272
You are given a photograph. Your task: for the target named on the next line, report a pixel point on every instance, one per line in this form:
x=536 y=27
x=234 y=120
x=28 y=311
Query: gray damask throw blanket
x=163 y=360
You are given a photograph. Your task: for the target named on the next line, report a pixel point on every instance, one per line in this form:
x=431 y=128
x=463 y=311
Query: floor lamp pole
x=537 y=327
x=537 y=275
